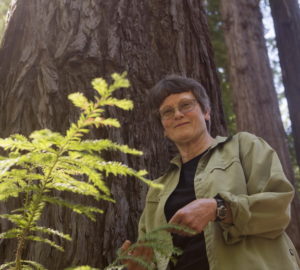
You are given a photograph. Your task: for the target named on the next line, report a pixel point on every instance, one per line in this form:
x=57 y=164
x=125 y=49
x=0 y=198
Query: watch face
x=222 y=211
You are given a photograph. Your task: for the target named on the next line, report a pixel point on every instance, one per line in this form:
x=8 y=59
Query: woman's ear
x=207 y=115
x=207 y=120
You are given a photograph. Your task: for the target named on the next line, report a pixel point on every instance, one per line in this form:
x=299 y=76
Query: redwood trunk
x=52 y=48
x=255 y=100
x=286 y=17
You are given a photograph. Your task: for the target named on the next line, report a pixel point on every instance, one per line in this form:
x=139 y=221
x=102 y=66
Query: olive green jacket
x=247 y=173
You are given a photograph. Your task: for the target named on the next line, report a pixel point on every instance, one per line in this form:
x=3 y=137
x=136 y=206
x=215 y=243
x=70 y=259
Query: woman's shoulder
x=246 y=139
x=245 y=136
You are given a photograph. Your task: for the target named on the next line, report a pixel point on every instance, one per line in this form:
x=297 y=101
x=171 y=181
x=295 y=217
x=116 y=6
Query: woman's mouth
x=181 y=124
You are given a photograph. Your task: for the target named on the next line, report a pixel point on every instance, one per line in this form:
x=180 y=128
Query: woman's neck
x=191 y=149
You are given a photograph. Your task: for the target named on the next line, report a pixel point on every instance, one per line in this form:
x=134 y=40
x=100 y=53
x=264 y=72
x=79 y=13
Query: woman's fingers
x=145 y=253
x=125 y=246
x=195 y=215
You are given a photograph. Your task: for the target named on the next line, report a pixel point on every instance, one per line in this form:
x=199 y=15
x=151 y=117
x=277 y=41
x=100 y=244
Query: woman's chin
x=183 y=138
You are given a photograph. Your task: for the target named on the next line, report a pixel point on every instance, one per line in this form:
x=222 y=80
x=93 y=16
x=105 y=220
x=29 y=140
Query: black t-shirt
x=194 y=251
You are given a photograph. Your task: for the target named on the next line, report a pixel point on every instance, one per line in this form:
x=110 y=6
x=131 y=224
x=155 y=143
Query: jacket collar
x=216 y=142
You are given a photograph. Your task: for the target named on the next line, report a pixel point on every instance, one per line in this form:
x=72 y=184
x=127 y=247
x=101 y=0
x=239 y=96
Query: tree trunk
x=52 y=48
x=286 y=17
x=255 y=101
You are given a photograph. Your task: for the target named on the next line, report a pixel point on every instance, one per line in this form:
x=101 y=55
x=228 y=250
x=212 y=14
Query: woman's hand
x=195 y=215
x=145 y=253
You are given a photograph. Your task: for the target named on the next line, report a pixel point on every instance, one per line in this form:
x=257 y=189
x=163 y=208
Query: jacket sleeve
x=265 y=210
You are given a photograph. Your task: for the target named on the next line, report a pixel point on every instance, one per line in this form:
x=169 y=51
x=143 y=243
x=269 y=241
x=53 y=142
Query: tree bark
x=255 y=101
x=52 y=48
x=286 y=17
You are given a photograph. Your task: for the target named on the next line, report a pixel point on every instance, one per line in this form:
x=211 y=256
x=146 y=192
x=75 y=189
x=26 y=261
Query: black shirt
x=194 y=251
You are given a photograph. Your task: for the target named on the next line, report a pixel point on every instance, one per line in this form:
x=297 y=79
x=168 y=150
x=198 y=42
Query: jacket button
x=291 y=252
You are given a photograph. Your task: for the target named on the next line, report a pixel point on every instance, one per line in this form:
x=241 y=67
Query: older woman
x=232 y=191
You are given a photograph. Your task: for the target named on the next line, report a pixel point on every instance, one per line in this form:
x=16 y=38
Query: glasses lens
x=186 y=106
x=167 y=113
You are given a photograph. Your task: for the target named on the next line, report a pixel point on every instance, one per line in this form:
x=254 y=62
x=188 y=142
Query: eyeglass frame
x=194 y=102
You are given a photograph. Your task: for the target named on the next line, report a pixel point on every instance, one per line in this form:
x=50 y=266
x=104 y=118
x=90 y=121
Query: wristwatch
x=222 y=210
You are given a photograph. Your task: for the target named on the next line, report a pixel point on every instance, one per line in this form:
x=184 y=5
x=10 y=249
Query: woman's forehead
x=175 y=98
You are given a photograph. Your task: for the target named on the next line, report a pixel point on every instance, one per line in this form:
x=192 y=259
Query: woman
x=231 y=191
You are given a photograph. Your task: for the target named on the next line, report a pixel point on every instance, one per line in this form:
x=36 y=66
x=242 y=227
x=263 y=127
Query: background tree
x=255 y=102
x=221 y=59
x=52 y=48
x=286 y=17
x=4 y=4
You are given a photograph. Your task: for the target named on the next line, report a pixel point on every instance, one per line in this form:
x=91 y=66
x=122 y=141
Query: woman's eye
x=167 y=112
x=185 y=105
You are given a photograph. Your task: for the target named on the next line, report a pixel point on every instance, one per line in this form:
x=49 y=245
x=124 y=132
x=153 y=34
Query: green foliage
x=26 y=265
x=48 y=161
x=221 y=59
x=4 y=5
x=158 y=240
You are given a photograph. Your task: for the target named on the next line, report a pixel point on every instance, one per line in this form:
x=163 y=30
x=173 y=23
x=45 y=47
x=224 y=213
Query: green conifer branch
x=49 y=161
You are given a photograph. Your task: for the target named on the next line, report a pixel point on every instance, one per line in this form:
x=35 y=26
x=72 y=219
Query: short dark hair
x=174 y=84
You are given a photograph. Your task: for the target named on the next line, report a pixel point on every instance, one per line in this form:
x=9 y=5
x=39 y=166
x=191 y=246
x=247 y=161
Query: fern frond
x=117 y=168
x=6 y=164
x=124 y=104
x=14 y=176
x=34 y=209
x=159 y=241
x=64 y=182
x=8 y=190
x=88 y=211
x=100 y=145
x=100 y=85
x=37 y=266
x=128 y=150
x=44 y=240
x=95 y=178
x=16 y=142
x=120 y=81
x=145 y=264
x=109 y=122
x=72 y=134
x=6 y=265
x=12 y=233
x=37 y=160
x=15 y=218
x=67 y=167
x=84 y=267
x=45 y=139
x=79 y=100
x=52 y=232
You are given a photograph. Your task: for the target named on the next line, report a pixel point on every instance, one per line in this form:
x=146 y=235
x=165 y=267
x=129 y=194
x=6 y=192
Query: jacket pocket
x=225 y=176
x=223 y=165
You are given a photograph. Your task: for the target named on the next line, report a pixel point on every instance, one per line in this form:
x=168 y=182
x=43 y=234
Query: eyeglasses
x=184 y=106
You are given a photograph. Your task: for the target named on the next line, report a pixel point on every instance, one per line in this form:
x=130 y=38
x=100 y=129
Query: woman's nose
x=178 y=113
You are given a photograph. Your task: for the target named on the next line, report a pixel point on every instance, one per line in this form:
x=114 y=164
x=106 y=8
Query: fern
x=48 y=161
x=158 y=240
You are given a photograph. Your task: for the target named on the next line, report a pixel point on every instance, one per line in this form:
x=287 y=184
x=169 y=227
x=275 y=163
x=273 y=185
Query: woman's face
x=187 y=123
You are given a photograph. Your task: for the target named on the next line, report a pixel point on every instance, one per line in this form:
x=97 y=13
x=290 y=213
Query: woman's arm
x=265 y=210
